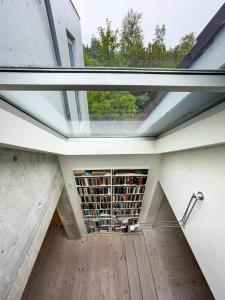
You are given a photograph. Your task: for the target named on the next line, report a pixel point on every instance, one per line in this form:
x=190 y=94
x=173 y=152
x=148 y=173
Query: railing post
x=186 y=215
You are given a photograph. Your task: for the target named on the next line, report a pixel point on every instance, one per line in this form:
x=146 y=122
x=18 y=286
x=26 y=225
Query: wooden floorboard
x=121 y=284
x=157 y=264
x=161 y=284
x=144 y=269
x=174 y=266
x=132 y=269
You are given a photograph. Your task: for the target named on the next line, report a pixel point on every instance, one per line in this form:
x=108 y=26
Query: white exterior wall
x=183 y=173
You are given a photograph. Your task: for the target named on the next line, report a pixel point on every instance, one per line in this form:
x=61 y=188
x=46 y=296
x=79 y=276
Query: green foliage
x=131 y=40
x=111 y=105
x=103 y=50
x=157 y=49
x=142 y=101
x=125 y=48
x=90 y=61
x=98 y=104
x=184 y=47
x=107 y=44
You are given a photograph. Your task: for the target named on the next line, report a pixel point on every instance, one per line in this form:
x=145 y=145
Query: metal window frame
x=75 y=79
x=71 y=41
x=57 y=54
x=58 y=79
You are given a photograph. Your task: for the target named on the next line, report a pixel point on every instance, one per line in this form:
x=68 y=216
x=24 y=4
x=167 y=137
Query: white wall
x=204 y=130
x=183 y=173
x=70 y=163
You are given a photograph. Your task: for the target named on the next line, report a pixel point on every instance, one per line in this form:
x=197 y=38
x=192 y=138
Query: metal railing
x=181 y=223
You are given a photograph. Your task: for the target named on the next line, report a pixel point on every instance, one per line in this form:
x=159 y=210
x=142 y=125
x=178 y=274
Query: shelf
x=109 y=202
x=130 y=175
x=128 y=194
x=92 y=176
x=97 y=195
x=129 y=185
x=103 y=206
x=96 y=208
x=125 y=208
x=109 y=185
x=98 y=226
x=95 y=186
x=140 y=201
x=126 y=216
x=96 y=219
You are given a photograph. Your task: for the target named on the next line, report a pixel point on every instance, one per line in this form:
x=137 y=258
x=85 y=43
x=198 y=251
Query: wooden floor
x=157 y=264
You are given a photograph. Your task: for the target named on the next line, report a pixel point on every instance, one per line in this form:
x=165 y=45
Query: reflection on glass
x=113 y=113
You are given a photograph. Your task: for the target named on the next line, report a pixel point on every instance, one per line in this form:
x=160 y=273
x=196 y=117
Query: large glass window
x=72 y=56
x=115 y=113
x=71 y=48
x=141 y=35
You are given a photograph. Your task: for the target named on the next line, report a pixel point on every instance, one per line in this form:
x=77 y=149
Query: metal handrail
x=180 y=223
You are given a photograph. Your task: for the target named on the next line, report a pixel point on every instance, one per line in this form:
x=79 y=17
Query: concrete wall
x=26 y=41
x=70 y=163
x=30 y=187
x=183 y=173
x=24 y=37
x=25 y=34
x=67 y=217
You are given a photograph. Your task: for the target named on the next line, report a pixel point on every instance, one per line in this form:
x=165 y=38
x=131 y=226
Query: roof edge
x=205 y=38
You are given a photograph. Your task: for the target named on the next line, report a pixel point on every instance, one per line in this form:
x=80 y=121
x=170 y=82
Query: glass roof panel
x=112 y=113
x=141 y=34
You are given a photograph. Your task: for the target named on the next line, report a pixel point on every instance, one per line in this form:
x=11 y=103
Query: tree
x=111 y=105
x=103 y=49
x=123 y=105
x=107 y=44
x=156 y=51
x=184 y=47
x=92 y=51
x=98 y=104
x=132 y=51
x=90 y=61
x=127 y=49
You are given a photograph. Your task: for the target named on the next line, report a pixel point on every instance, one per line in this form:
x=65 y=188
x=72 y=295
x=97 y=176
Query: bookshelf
x=110 y=199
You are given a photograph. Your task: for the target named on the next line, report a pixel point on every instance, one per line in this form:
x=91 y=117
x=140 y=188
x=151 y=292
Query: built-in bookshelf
x=110 y=200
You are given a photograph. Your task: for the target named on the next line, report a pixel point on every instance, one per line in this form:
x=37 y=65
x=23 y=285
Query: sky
x=179 y=16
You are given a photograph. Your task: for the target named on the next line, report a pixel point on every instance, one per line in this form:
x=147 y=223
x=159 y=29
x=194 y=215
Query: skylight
x=112 y=103
x=143 y=106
